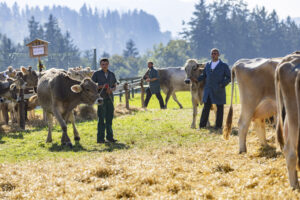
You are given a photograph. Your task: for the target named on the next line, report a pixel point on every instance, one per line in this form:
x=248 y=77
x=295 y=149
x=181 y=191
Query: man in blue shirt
x=107 y=84
x=216 y=75
x=152 y=78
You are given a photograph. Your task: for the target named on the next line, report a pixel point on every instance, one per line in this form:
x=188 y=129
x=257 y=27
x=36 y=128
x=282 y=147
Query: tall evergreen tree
x=131 y=50
x=200 y=32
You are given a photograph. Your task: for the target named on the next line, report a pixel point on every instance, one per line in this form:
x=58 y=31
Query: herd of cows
x=268 y=87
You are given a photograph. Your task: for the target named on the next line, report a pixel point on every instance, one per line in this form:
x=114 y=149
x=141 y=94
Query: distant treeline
x=239 y=32
x=228 y=25
x=90 y=28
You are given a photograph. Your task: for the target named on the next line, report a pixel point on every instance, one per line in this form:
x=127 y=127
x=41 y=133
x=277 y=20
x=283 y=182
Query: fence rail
x=129 y=86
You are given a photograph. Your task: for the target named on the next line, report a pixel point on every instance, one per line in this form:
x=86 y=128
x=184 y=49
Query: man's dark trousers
x=205 y=114
x=158 y=95
x=105 y=117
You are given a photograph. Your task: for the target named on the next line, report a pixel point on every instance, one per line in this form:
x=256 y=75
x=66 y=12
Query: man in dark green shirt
x=106 y=81
x=152 y=78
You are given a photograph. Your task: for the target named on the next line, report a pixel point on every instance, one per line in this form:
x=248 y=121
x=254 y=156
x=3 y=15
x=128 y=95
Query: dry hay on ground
x=85 y=112
x=121 y=109
x=210 y=170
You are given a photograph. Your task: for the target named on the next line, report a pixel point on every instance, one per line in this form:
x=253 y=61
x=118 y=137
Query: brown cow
x=255 y=78
x=288 y=89
x=193 y=70
x=58 y=95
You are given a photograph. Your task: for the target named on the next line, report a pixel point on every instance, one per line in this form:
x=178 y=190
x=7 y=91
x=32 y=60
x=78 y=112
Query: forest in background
x=228 y=25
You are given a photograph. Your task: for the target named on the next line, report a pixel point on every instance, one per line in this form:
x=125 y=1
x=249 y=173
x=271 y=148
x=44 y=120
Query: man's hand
x=108 y=90
x=148 y=80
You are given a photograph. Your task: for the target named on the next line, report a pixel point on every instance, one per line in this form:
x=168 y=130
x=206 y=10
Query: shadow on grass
x=109 y=147
x=267 y=151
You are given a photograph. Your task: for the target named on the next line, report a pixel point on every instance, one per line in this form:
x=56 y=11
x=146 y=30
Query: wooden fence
x=129 y=86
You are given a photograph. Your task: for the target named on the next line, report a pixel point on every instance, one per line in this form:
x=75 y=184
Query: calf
x=58 y=95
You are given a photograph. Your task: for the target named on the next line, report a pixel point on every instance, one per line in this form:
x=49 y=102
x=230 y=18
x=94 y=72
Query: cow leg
x=259 y=126
x=195 y=107
x=168 y=94
x=290 y=154
x=76 y=134
x=291 y=161
x=243 y=124
x=65 y=140
x=176 y=100
x=50 y=125
x=5 y=113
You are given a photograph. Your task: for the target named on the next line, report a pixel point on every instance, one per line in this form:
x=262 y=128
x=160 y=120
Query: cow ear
x=24 y=70
x=76 y=88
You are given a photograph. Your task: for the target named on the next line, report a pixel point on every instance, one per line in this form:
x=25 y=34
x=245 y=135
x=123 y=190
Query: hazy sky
x=170 y=13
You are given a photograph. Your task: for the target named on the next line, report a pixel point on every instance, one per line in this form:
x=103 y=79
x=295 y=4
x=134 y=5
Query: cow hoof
x=193 y=126
x=67 y=144
x=242 y=151
x=77 y=138
x=48 y=140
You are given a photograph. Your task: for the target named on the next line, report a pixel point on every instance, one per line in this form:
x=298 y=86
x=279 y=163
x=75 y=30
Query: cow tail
x=228 y=125
x=279 y=130
x=297 y=87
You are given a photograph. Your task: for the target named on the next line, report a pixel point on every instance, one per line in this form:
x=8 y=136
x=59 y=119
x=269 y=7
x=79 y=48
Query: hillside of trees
x=90 y=27
x=239 y=32
x=228 y=25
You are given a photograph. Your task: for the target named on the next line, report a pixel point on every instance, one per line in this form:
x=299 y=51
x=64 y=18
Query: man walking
x=217 y=76
x=106 y=84
x=152 y=78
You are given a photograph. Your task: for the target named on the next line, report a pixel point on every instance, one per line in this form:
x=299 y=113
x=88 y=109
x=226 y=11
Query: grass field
x=157 y=157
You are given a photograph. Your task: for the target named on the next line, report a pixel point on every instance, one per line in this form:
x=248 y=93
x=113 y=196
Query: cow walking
x=58 y=95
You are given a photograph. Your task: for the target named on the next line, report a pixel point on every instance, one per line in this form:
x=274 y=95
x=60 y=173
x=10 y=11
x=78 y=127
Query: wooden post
x=126 y=95
x=132 y=89
x=95 y=60
x=120 y=95
x=22 y=109
x=142 y=93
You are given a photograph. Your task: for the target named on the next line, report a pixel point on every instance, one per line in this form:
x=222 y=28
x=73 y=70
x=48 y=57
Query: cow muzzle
x=187 y=81
x=99 y=101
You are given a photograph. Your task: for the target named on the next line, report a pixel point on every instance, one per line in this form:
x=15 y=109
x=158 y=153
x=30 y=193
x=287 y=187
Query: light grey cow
x=171 y=80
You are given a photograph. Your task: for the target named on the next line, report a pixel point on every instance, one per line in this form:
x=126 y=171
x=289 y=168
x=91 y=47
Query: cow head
x=8 y=88
x=88 y=91
x=11 y=72
x=29 y=75
x=193 y=70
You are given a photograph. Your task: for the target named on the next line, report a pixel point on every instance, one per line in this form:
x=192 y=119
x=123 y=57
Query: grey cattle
x=255 y=78
x=58 y=95
x=287 y=83
x=171 y=80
